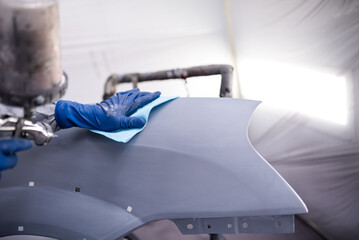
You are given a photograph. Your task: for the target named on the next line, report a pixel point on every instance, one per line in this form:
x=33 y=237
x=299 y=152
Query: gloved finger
x=126 y=99
x=134 y=90
x=118 y=99
x=9 y=146
x=131 y=97
x=142 y=101
x=7 y=162
x=104 y=104
x=142 y=94
x=112 y=101
x=133 y=122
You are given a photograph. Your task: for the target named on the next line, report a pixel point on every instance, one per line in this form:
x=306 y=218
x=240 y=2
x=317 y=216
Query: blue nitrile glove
x=109 y=115
x=8 y=148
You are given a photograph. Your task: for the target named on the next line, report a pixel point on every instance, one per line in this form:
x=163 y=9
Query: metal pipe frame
x=226 y=71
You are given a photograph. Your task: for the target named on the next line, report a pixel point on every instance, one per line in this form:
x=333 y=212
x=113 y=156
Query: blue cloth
x=125 y=135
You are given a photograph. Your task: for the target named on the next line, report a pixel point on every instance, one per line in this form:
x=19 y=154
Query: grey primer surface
x=192 y=164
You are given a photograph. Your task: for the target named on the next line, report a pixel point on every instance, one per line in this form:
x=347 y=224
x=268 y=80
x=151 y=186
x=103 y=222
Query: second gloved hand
x=109 y=115
x=8 y=149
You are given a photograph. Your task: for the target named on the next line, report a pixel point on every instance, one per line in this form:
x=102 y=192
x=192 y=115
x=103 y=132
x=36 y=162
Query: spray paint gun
x=30 y=65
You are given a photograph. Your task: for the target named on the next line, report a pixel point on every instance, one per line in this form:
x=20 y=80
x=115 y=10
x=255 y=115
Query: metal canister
x=30 y=63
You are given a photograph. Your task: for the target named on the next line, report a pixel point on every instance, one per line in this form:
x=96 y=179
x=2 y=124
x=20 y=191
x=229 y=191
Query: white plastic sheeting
x=104 y=37
x=318 y=158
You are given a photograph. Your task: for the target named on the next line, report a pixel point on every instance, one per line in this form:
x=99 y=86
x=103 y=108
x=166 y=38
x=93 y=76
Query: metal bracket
x=264 y=224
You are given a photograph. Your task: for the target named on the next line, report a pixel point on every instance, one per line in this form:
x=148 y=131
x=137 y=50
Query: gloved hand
x=8 y=148
x=109 y=115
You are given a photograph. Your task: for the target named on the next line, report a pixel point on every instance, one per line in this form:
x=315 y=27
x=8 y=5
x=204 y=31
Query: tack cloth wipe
x=125 y=135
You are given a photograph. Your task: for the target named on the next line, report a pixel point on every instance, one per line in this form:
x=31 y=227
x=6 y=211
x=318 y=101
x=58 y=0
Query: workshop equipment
x=30 y=64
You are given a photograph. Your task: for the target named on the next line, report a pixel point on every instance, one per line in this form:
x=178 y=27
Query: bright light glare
x=313 y=93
